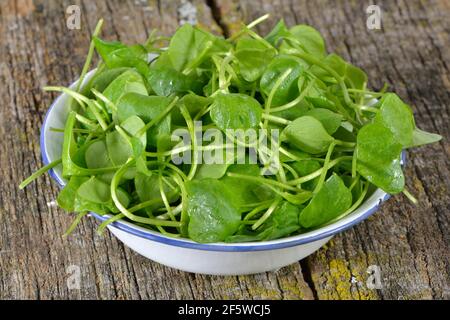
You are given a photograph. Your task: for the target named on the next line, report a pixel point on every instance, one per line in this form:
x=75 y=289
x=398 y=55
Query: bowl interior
x=51 y=147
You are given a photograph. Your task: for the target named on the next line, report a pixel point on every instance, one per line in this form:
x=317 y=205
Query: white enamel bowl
x=214 y=258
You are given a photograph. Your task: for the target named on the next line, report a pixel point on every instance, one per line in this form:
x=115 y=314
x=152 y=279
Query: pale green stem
x=370 y=109
x=86 y=121
x=249 y=26
x=101 y=228
x=354 y=162
x=317 y=173
x=294 y=157
x=325 y=168
x=108 y=102
x=164 y=198
x=256 y=210
x=291 y=170
x=355 y=181
x=296 y=101
x=74 y=224
x=38 y=173
x=354 y=206
x=263 y=180
x=266 y=215
x=268 y=117
x=115 y=183
x=344 y=143
x=90 y=54
x=97 y=116
x=157 y=119
x=191 y=128
x=223 y=83
x=410 y=196
x=272 y=94
x=258 y=21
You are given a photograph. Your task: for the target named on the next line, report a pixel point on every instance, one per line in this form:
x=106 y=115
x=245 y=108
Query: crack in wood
x=216 y=13
x=307 y=276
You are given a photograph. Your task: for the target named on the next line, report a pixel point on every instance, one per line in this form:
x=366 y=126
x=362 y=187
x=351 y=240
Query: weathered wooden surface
x=409 y=244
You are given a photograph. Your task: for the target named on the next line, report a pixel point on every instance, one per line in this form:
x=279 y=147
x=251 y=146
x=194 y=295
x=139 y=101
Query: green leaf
x=213 y=170
x=308 y=134
x=421 y=137
x=132 y=126
x=165 y=81
x=329 y=119
x=218 y=169
x=245 y=191
x=235 y=111
x=282 y=222
x=143 y=106
x=378 y=158
x=252 y=56
x=121 y=149
x=310 y=38
x=333 y=199
x=395 y=115
x=104 y=48
x=353 y=76
x=213 y=215
x=147 y=108
x=307 y=39
x=66 y=197
x=95 y=190
x=95 y=195
x=193 y=103
x=188 y=43
x=305 y=167
x=101 y=79
x=96 y=155
x=147 y=189
x=288 y=90
x=129 y=81
x=131 y=57
x=278 y=32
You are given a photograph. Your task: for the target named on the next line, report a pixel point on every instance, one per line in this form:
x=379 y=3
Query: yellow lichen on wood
x=342 y=279
x=292 y=291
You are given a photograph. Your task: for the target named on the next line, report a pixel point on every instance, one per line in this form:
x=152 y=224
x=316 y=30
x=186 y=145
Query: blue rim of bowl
x=232 y=247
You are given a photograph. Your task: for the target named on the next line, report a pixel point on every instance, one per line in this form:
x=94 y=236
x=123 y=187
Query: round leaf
x=331 y=201
x=235 y=111
x=308 y=134
x=288 y=90
x=395 y=115
x=330 y=120
x=378 y=158
x=212 y=214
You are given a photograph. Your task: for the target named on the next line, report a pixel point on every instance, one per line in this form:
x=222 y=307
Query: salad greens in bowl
x=243 y=144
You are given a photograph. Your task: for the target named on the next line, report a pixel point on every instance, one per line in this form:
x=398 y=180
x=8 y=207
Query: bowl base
x=217 y=262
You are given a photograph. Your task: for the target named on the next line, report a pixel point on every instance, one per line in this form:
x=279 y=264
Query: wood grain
x=409 y=244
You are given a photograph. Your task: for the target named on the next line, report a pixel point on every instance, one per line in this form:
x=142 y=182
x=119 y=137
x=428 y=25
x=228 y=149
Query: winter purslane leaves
x=338 y=140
